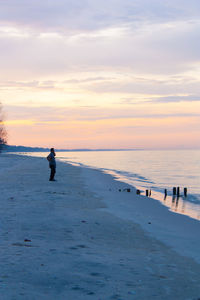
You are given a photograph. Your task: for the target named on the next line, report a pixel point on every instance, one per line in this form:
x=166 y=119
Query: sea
x=155 y=170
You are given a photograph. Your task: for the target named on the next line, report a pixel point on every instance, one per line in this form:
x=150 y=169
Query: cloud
x=158 y=99
x=156 y=50
x=82 y=15
x=86 y=114
x=50 y=38
x=146 y=85
x=106 y=54
x=171 y=99
x=28 y=84
x=88 y=80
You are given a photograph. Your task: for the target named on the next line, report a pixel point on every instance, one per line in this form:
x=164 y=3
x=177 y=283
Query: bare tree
x=3 y=133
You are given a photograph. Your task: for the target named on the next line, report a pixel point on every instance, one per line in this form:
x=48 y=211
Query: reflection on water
x=179 y=204
x=152 y=170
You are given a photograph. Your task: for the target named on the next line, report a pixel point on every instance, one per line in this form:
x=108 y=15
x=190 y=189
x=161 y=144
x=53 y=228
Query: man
x=52 y=164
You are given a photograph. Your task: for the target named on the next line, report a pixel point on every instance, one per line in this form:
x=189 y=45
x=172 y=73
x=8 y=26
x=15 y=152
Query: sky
x=101 y=74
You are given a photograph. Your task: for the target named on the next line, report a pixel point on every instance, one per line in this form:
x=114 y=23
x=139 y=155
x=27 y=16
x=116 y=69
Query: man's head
x=52 y=149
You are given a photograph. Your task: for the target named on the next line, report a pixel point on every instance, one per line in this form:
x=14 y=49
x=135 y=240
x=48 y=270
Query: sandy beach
x=80 y=238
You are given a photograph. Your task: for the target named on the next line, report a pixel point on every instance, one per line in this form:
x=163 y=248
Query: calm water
x=155 y=170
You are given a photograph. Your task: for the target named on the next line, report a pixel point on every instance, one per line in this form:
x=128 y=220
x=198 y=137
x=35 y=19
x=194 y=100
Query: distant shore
x=79 y=238
x=10 y=148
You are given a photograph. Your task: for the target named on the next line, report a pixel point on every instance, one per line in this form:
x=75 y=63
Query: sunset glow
x=109 y=74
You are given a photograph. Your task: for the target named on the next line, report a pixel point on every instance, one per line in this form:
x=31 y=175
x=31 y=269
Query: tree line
x=3 y=133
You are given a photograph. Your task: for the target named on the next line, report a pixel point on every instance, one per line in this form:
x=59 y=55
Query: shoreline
x=175 y=204
x=172 y=228
x=188 y=206
x=79 y=238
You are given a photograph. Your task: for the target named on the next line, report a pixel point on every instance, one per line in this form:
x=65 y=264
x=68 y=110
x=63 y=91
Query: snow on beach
x=79 y=238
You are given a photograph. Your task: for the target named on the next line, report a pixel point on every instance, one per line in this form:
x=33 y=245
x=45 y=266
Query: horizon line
x=38 y=149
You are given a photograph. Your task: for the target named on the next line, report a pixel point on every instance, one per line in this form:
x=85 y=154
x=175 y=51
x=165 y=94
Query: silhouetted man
x=52 y=164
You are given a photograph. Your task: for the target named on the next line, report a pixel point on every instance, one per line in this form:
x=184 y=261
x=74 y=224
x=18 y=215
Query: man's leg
x=53 y=171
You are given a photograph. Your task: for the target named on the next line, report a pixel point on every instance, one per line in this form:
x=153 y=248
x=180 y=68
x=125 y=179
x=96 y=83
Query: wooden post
x=174 y=190
x=147 y=193
x=185 y=192
x=178 y=191
x=128 y=190
x=138 y=192
x=165 y=192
